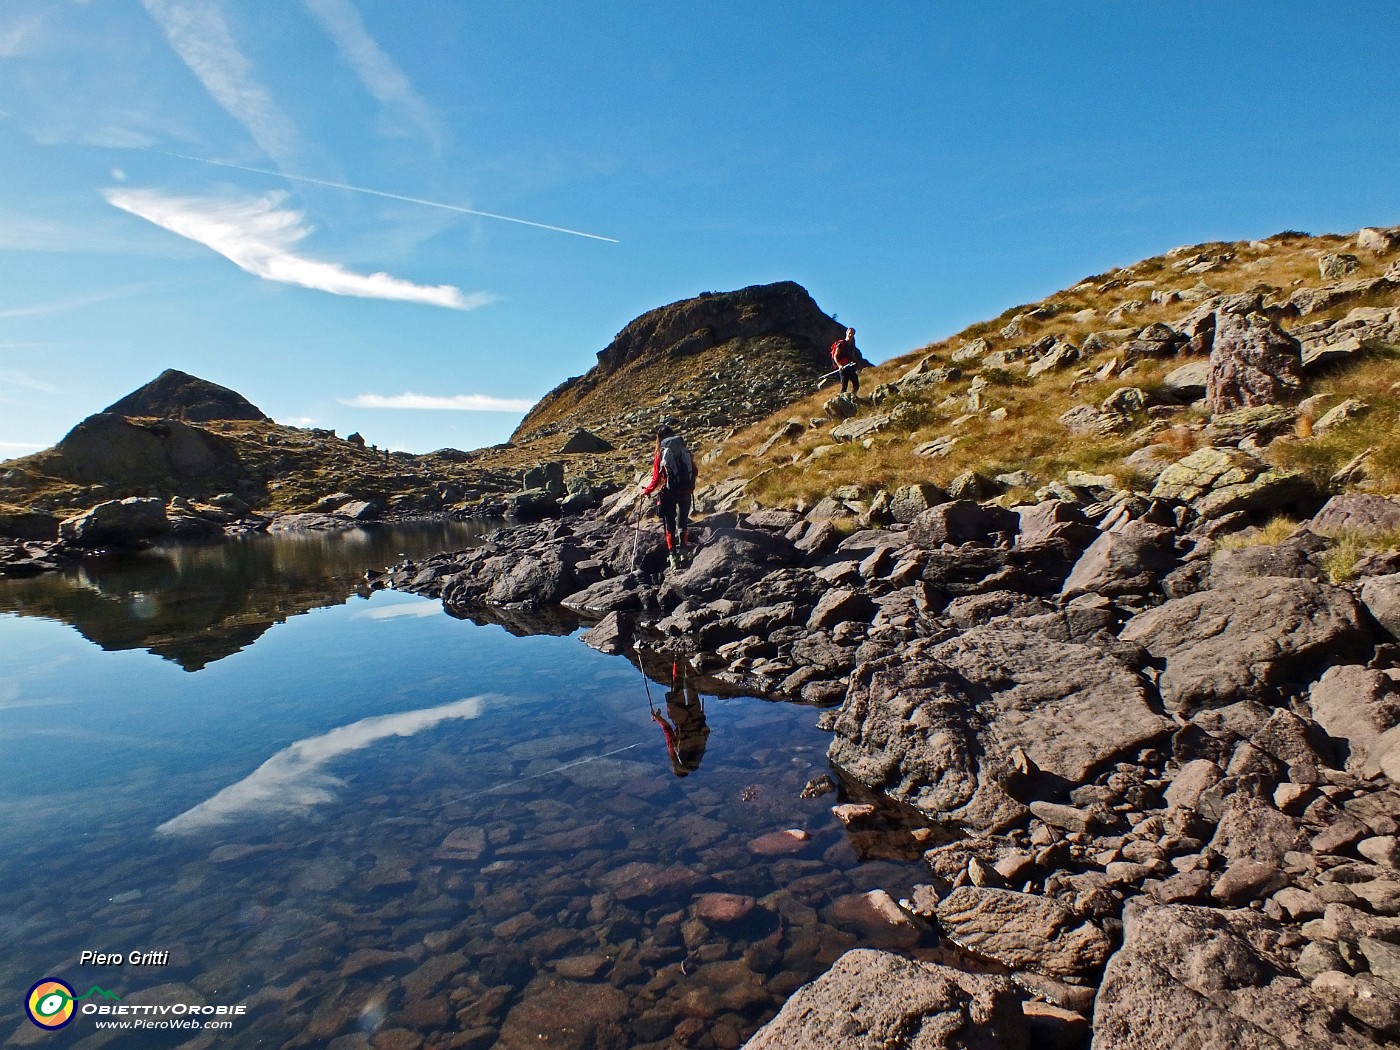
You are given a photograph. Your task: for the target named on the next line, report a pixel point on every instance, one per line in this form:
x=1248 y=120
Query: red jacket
x=656 y=473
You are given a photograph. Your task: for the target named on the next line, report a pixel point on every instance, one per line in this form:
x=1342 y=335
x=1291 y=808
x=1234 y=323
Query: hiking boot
x=674 y=559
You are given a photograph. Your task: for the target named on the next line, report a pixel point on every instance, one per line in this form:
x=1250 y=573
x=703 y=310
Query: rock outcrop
x=717 y=362
x=178 y=395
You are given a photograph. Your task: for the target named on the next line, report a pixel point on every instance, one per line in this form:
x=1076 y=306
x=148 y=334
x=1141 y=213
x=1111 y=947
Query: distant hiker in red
x=843 y=356
x=673 y=480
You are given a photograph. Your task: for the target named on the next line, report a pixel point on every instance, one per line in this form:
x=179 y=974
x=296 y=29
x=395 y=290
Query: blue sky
x=917 y=166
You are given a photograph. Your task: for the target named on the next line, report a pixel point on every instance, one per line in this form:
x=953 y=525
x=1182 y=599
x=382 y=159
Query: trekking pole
x=646 y=682
x=636 y=533
x=824 y=378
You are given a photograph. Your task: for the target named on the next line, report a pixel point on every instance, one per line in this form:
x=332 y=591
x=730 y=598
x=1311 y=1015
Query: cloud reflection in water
x=291 y=781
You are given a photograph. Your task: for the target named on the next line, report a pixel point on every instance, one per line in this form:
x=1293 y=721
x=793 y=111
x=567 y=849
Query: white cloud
x=455 y=403
x=291 y=781
x=380 y=76
x=21 y=444
x=198 y=33
x=257 y=235
x=398 y=612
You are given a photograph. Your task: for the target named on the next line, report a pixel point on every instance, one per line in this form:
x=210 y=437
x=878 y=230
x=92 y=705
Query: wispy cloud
x=21 y=445
x=292 y=781
x=257 y=235
x=198 y=33
x=74 y=302
x=27 y=381
x=380 y=76
x=455 y=403
x=16 y=35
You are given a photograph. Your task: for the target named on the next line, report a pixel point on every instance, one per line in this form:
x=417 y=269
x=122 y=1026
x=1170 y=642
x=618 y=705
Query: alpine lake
x=233 y=776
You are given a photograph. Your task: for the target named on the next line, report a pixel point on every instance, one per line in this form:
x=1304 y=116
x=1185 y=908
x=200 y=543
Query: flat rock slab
x=1208 y=979
x=1071 y=707
x=918 y=731
x=1249 y=640
x=1023 y=931
x=875 y=999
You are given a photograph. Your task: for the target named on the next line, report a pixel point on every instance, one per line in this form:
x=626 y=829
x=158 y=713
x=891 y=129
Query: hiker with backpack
x=673 y=480
x=844 y=356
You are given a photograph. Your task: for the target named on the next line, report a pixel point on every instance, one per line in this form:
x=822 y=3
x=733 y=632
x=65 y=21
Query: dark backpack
x=678 y=464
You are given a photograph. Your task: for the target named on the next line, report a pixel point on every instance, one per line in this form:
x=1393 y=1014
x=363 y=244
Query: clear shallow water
x=382 y=822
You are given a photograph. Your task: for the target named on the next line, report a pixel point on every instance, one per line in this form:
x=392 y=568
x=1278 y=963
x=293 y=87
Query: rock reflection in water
x=194 y=604
x=534 y=875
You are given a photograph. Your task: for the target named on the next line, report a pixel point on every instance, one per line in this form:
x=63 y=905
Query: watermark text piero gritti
x=92 y=958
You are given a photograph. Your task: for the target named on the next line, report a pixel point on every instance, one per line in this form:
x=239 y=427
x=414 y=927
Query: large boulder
x=1212 y=980
x=1070 y=707
x=1189 y=381
x=1356 y=513
x=534 y=579
x=109 y=449
x=1038 y=568
x=730 y=561
x=1054 y=519
x=584 y=441
x=1252 y=362
x=1381 y=596
x=1220 y=481
x=1252 y=640
x=919 y=732
x=909 y=501
x=875 y=999
x=1129 y=561
x=548 y=476
x=961 y=521
x=125 y=523
x=1355 y=706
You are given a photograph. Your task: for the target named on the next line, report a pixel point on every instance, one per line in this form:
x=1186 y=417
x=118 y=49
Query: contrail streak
x=390 y=196
x=547 y=772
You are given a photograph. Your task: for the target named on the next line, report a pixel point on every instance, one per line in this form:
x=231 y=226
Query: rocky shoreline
x=1170 y=761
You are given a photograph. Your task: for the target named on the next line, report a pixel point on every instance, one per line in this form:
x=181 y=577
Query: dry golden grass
x=1031 y=438
x=1274 y=532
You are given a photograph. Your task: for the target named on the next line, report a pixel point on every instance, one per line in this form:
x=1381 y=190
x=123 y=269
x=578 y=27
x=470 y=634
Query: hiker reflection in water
x=686 y=732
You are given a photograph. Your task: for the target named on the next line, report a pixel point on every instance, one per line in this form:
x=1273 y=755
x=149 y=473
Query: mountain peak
x=178 y=395
x=718 y=361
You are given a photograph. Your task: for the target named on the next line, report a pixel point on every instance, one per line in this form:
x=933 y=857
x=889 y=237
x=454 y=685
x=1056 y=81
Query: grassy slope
x=1031 y=437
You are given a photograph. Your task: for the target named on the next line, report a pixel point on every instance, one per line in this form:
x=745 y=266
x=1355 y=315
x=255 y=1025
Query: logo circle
x=50 y=1003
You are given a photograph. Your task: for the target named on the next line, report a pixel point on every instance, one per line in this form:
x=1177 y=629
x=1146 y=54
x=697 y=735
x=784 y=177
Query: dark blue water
x=368 y=823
